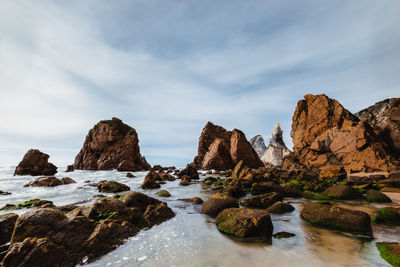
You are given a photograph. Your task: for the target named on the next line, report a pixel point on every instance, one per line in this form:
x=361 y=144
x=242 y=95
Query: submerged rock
x=49 y=181
x=283 y=235
x=337 y=218
x=276 y=149
x=245 y=222
x=35 y=163
x=111 y=187
x=111 y=144
x=217 y=203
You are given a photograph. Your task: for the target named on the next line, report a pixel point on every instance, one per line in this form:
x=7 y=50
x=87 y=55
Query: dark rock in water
x=390 y=252
x=163 y=193
x=47 y=237
x=70 y=168
x=29 y=204
x=283 y=235
x=280 y=207
x=245 y=222
x=194 y=200
x=210 y=180
x=184 y=182
x=150 y=181
x=130 y=175
x=234 y=190
x=261 y=201
x=7 y=222
x=394 y=175
x=390 y=215
x=376 y=196
x=4 y=193
x=217 y=203
x=262 y=188
x=111 y=144
x=111 y=187
x=49 y=181
x=342 y=192
x=190 y=171
x=337 y=218
x=221 y=149
x=35 y=163
x=157 y=168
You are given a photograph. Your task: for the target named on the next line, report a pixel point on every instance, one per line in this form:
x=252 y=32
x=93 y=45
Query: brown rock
x=280 y=207
x=217 y=203
x=111 y=144
x=194 y=200
x=151 y=180
x=35 y=163
x=7 y=222
x=261 y=201
x=112 y=187
x=190 y=171
x=70 y=168
x=49 y=181
x=344 y=192
x=221 y=149
x=324 y=133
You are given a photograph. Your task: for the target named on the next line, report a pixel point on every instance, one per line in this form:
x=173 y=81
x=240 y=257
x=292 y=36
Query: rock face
x=324 y=133
x=111 y=144
x=35 y=163
x=385 y=115
x=276 y=149
x=338 y=218
x=221 y=149
x=258 y=144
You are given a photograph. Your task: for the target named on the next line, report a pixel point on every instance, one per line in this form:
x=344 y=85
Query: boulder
x=221 y=149
x=261 y=201
x=280 y=207
x=185 y=180
x=49 y=181
x=258 y=144
x=390 y=215
x=110 y=208
x=217 y=203
x=112 y=187
x=70 y=168
x=344 y=192
x=337 y=218
x=35 y=163
x=29 y=204
x=111 y=144
x=376 y=196
x=163 y=193
x=324 y=133
x=190 y=171
x=245 y=223
x=7 y=222
x=276 y=149
x=390 y=252
x=130 y=175
x=151 y=180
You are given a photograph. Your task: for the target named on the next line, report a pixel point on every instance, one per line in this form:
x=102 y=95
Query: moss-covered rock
x=245 y=222
x=316 y=196
x=389 y=214
x=163 y=193
x=112 y=187
x=390 y=252
x=217 y=203
x=262 y=201
x=376 y=196
x=33 y=203
x=344 y=192
x=337 y=218
x=283 y=235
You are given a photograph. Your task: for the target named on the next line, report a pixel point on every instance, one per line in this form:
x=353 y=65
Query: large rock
x=258 y=144
x=111 y=144
x=35 y=163
x=376 y=196
x=385 y=115
x=245 y=222
x=7 y=222
x=262 y=201
x=49 y=181
x=325 y=133
x=276 y=149
x=217 y=203
x=221 y=149
x=344 y=192
x=337 y=218
x=112 y=187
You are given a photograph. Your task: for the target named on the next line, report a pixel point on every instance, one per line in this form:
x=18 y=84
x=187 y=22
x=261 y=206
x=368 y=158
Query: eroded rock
x=35 y=163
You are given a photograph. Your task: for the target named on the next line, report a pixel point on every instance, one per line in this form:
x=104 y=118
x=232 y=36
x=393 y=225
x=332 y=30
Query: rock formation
x=385 y=115
x=221 y=149
x=35 y=163
x=258 y=144
x=276 y=149
x=111 y=144
x=325 y=133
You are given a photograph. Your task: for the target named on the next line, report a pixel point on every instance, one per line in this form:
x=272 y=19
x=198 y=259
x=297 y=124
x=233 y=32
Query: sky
x=167 y=67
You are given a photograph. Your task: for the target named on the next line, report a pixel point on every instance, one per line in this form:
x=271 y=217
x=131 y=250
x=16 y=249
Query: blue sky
x=168 y=67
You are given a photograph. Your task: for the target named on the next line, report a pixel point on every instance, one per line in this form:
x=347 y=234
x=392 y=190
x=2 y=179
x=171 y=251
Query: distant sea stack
x=258 y=144
x=276 y=149
x=325 y=133
x=35 y=163
x=111 y=144
x=220 y=149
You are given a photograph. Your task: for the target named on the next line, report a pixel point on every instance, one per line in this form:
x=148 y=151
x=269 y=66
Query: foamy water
x=192 y=239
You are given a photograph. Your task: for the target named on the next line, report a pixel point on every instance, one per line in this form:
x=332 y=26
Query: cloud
x=167 y=67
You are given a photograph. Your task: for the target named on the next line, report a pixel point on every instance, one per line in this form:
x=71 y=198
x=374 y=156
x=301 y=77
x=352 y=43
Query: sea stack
x=325 y=133
x=276 y=149
x=35 y=163
x=111 y=144
x=220 y=149
x=258 y=144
